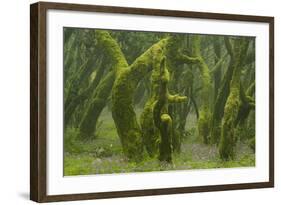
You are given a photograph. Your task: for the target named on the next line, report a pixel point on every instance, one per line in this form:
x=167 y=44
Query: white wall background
x=14 y=101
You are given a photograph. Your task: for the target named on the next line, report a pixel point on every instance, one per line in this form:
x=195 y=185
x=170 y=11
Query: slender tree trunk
x=204 y=110
x=221 y=97
x=90 y=119
x=80 y=98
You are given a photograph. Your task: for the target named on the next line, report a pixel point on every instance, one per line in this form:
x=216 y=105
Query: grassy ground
x=104 y=154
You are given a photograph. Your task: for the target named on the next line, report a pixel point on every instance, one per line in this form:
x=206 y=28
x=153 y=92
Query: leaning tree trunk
x=123 y=91
x=204 y=110
x=74 y=71
x=125 y=85
x=224 y=91
x=89 y=120
x=217 y=73
x=82 y=97
x=231 y=109
x=113 y=52
x=222 y=95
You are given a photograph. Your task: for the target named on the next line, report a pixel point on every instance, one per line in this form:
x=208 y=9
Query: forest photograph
x=141 y=101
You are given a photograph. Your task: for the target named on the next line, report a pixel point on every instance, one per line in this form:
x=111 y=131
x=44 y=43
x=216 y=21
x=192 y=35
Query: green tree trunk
x=101 y=93
x=174 y=58
x=123 y=91
x=221 y=97
x=231 y=109
x=224 y=91
x=204 y=110
x=162 y=119
x=118 y=62
x=80 y=98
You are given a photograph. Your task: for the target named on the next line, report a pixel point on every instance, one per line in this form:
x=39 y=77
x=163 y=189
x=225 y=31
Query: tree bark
x=204 y=109
x=231 y=109
x=111 y=49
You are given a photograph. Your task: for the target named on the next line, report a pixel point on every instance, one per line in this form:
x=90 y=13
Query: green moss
x=162 y=120
x=170 y=48
x=246 y=105
x=204 y=124
x=221 y=97
x=151 y=135
x=81 y=97
x=123 y=112
x=204 y=109
x=157 y=131
x=165 y=118
x=89 y=120
x=111 y=48
x=176 y=98
x=228 y=132
x=227 y=142
x=118 y=62
x=165 y=147
x=252 y=144
x=122 y=98
x=124 y=115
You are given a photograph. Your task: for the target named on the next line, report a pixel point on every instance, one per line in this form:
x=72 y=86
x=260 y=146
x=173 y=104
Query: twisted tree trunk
x=162 y=119
x=173 y=59
x=123 y=91
x=132 y=136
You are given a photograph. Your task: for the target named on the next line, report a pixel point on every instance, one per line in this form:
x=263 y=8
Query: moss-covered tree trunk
x=221 y=97
x=123 y=91
x=204 y=109
x=181 y=83
x=224 y=90
x=96 y=105
x=247 y=104
x=81 y=70
x=118 y=62
x=218 y=70
x=174 y=58
x=80 y=98
x=162 y=119
x=231 y=109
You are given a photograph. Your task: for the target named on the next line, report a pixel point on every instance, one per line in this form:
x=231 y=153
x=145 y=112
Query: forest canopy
x=150 y=101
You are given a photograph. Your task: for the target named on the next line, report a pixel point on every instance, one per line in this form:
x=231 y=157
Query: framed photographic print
x=134 y=102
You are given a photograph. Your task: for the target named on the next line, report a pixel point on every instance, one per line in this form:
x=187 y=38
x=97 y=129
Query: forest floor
x=103 y=155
